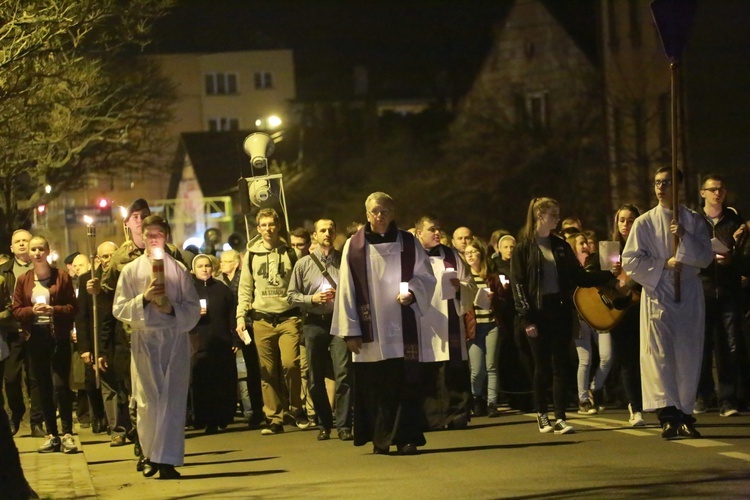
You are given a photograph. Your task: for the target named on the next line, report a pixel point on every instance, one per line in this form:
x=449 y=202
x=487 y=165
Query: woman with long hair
x=45 y=304
x=626 y=335
x=544 y=274
x=483 y=347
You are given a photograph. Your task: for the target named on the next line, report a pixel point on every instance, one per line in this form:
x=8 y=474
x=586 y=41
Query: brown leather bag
x=470 y=322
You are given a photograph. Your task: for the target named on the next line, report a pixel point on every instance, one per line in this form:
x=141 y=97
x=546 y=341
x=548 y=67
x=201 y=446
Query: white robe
x=383 y=278
x=671 y=333
x=433 y=332
x=160 y=360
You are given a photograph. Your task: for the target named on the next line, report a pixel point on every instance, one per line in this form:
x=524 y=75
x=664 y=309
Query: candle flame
x=123 y=212
x=88 y=220
x=157 y=253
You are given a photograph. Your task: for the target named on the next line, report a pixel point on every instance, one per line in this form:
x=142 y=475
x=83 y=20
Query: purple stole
x=409 y=327
x=454 y=321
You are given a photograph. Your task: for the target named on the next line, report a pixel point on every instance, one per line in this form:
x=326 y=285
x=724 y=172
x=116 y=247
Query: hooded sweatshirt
x=265 y=278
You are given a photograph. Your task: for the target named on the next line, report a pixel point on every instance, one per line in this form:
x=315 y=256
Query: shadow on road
x=221 y=462
x=497 y=447
x=217 y=475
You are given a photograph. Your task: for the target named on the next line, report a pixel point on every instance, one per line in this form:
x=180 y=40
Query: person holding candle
x=626 y=334
x=544 y=274
x=45 y=305
x=156 y=297
x=380 y=323
x=442 y=349
x=484 y=344
x=313 y=288
x=214 y=341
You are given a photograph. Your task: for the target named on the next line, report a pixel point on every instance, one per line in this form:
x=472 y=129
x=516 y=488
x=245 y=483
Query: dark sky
x=329 y=35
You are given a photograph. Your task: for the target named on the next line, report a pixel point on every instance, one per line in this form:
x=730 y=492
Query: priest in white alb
x=156 y=296
x=446 y=378
x=671 y=331
x=385 y=286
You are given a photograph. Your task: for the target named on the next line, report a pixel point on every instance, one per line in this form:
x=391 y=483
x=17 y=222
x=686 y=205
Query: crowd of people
x=382 y=334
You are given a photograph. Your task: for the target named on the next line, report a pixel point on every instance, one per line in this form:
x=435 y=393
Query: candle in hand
x=41 y=300
x=157 y=270
x=203 y=303
x=403 y=288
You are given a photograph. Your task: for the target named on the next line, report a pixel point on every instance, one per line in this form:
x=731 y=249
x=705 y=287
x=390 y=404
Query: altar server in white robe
x=446 y=378
x=380 y=323
x=160 y=315
x=671 y=332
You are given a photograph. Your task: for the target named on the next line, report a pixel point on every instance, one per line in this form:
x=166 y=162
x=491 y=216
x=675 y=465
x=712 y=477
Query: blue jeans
x=483 y=361
x=723 y=332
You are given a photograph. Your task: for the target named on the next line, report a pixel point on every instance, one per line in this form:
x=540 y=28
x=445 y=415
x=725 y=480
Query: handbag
x=470 y=324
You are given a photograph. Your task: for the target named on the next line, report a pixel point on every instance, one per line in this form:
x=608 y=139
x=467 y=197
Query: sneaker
x=700 y=406
x=728 y=410
x=636 y=418
x=562 y=427
x=68 y=444
x=585 y=408
x=37 y=431
x=50 y=445
x=302 y=422
x=272 y=429
x=480 y=407
x=543 y=421
x=117 y=440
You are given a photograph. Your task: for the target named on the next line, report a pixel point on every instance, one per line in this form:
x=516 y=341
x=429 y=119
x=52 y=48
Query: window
x=221 y=83
x=536 y=110
x=263 y=80
x=223 y=124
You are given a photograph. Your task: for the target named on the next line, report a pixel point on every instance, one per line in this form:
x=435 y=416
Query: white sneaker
x=562 y=427
x=543 y=421
x=636 y=418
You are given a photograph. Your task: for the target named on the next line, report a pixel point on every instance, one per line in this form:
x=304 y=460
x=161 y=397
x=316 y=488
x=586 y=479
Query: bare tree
x=74 y=96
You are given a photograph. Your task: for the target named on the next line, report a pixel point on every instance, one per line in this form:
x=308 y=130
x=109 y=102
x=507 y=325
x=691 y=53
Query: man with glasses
x=277 y=325
x=385 y=286
x=722 y=288
x=671 y=330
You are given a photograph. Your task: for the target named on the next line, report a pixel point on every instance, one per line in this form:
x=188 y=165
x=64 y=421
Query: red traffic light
x=103 y=203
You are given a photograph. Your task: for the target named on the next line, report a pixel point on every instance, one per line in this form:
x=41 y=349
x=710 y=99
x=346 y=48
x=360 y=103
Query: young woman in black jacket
x=544 y=274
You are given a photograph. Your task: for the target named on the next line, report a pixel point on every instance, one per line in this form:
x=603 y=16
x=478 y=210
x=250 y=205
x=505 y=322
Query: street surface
x=504 y=457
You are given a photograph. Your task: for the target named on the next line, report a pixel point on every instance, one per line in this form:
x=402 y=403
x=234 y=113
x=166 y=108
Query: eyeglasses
x=471 y=252
x=665 y=183
x=715 y=189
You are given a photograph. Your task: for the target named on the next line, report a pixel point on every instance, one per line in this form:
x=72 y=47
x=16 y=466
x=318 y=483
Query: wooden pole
x=674 y=72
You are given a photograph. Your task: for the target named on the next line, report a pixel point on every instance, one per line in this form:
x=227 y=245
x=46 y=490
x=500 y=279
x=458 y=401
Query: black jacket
x=526 y=276
x=725 y=278
x=215 y=330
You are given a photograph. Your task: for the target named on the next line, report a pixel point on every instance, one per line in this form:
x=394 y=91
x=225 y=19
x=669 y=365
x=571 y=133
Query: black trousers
x=250 y=353
x=50 y=362
x=626 y=348
x=13 y=378
x=550 y=351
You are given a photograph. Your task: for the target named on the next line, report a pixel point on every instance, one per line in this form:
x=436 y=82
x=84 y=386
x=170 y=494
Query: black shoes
x=324 y=435
x=51 y=444
x=15 y=424
x=141 y=464
x=167 y=471
x=272 y=429
x=379 y=451
x=149 y=468
x=37 y=431
x=668 y=430
x=212 y=429
x=492 y=411
x=480 y=407
x=407 y=449
x=346 y=435
x=688 y=430
x=99 y=426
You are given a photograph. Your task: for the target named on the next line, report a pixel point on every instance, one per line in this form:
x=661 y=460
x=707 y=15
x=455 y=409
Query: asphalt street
x=504 y=457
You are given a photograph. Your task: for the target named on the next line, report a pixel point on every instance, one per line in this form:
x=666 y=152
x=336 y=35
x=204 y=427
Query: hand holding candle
x=405 y=297
x=326 y=294
x=204 y=307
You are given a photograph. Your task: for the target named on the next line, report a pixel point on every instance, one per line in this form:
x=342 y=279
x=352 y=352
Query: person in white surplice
x=160 y=315
x=671 y=332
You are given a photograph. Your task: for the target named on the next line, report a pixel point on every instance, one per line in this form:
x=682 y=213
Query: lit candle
x=157 y=270
x=203 y=303
x=504 y=280
x=41 y=300
x=449 y=269
x=403 y=288
x=325 y=287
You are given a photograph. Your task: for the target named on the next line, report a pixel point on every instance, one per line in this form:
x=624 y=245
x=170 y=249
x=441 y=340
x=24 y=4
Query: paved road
x=494 y=458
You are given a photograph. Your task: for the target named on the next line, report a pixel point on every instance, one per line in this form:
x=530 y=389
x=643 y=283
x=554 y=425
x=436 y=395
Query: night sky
x=330 y=36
